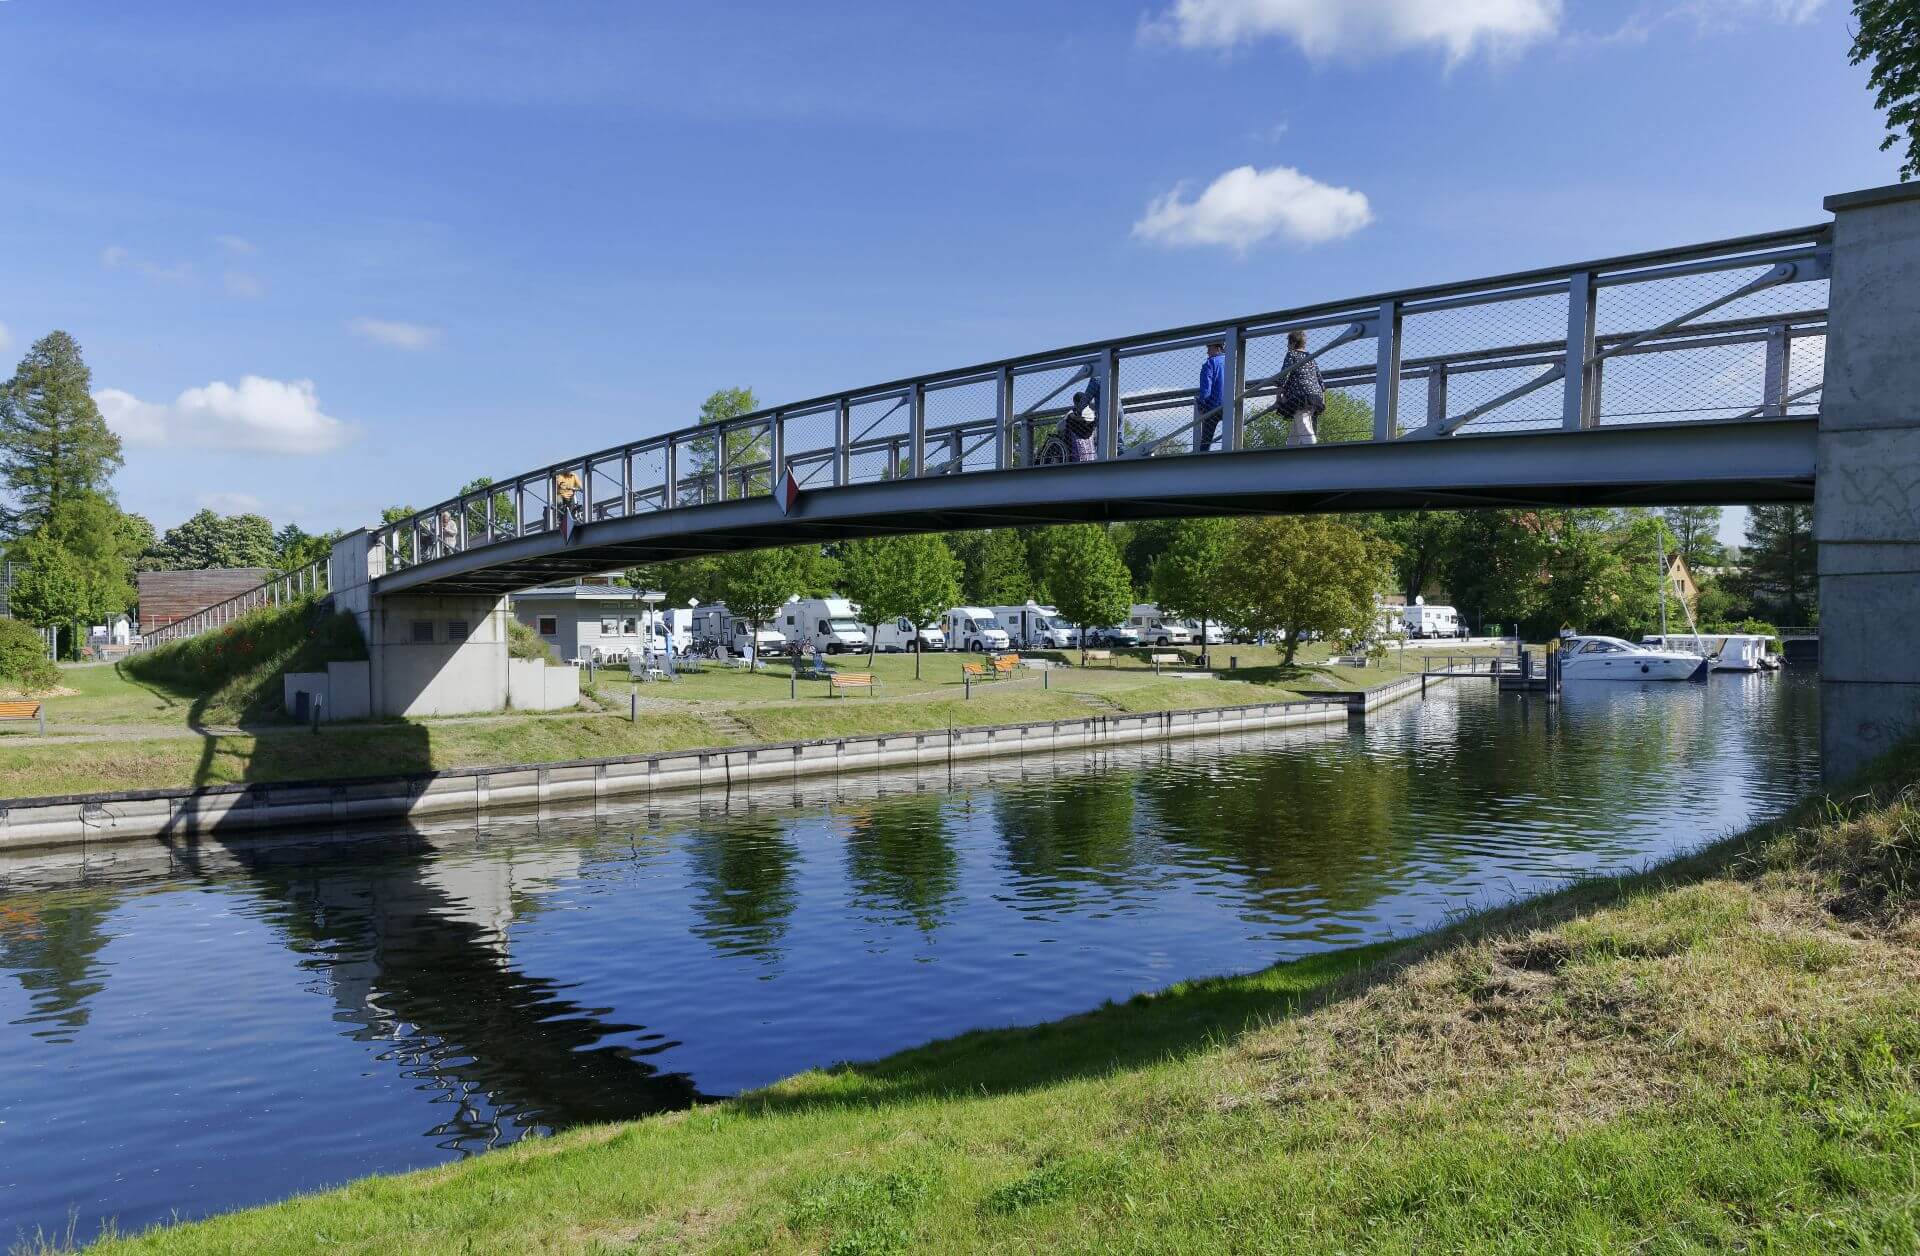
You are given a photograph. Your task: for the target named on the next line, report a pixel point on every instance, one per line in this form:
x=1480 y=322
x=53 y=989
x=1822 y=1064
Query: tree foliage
x=212 y=540
x=899 y=577
x=1089 y=582
x=1887 y=33
x=1696 y=535
x=1423 y=541
x=756 y=583
x=1781 y=579
x=24 y=664
x=53 y=441
x=1192 y=578
x=1296 y=574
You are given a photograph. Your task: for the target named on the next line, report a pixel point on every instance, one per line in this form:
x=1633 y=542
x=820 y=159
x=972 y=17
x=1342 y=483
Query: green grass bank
x=207 y=713
x=1719 y=1054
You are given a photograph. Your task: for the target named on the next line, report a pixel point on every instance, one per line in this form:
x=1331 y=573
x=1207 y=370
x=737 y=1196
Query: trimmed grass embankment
x=149 y=727
x=1718 y=1054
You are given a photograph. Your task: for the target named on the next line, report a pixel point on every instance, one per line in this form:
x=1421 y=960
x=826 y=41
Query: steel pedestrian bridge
x=1689 y=375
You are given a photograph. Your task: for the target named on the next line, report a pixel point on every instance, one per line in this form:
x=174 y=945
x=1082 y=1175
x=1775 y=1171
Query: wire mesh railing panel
x=1716 y=381
x=809 y=441
x=606 y=485
x=1335 y=351
x=1505 y=398
x=961 y=422
x=1041 y=398
x=696 y=467
x=748 y=450
x=648 y=490
x=1806 y=371
x=1160 y=409
x=1468 y=329
x=877 y=436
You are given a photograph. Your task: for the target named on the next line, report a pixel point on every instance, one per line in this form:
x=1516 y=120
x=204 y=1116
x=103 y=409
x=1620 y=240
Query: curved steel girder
x=1723 y=463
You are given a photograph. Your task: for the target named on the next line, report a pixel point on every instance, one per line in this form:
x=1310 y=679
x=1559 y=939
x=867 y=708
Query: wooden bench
x=977 y=671
x=852 y=680
x=26 y=710
x=1004 y=664
x=1166 y=660
x=1100 y=656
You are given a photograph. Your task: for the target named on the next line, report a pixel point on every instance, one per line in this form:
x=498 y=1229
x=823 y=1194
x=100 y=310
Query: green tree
x=1191 y=579
x=1003 y=577
x=1295 y=574
x=1346 y=418
x=53 y=440
x=1141 y=546
x=1782 y=576
x=1090 y=584
x=212 y=540
x=741 y=448
x=900 y=577
x=684 y=581
x=1887 y=33
x=74 y=569
x=755 y=584
x=1423 y=543
x=24 y=664
x=295 y=548
x=1696 y=535
x=505 y=517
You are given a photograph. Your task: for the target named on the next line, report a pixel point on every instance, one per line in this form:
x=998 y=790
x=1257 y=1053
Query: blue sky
x=327 y=258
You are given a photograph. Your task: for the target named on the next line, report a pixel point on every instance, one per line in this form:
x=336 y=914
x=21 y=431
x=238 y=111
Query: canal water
x=188 y=1031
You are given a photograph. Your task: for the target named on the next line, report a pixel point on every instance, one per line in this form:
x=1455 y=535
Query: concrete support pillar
x=428 y=655
x=1867 y=485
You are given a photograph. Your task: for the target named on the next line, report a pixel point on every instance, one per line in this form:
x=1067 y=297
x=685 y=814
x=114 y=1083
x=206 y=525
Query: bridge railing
x=282 y=589
x=1734 y=329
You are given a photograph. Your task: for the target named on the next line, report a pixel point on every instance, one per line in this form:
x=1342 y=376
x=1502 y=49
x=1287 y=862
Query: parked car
x=1115 y=637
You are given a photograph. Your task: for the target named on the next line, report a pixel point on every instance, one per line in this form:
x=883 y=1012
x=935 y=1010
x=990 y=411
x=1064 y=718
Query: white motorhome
x=975 y=628
x=1425 y=621
x=1157 y=629
x=720 y=627
x=899 y=636
x=1036 y=627
x=829 y=624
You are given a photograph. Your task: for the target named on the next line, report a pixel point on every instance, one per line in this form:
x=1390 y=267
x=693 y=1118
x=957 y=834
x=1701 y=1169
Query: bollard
x=967 y=682
x=793 y=685
x=1233 y=662
x=1046 y=678
x=633 y=707
x=317 y=701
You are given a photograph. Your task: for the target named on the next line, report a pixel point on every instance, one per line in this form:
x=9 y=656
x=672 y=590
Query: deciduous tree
x=211 y=540
x=1090 y=584
x=900 y=577
x=756 y=583
x=1887 y=33
x=1295 y=574
x=1192 y=577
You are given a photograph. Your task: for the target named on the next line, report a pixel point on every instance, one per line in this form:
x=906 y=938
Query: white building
x=575 y=620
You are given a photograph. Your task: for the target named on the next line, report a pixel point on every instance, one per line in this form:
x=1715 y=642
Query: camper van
x=1157 y=629
x=975 y=628
x=899 y=636
x=1433 y=621
x=1036 y=627
x=719 y=627
x=828 y=624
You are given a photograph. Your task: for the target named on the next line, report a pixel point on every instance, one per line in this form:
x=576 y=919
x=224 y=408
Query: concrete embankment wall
x=80 y=819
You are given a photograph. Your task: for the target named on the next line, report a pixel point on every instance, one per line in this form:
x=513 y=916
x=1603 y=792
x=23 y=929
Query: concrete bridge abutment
x=429 y=654
x=1866 y=517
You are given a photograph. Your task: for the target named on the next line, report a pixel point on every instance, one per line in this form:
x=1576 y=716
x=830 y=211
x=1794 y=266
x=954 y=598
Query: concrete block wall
x=532 y=685
x=1867 y=486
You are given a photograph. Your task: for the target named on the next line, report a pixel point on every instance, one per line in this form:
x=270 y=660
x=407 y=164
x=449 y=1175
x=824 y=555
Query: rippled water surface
x=189 y=1031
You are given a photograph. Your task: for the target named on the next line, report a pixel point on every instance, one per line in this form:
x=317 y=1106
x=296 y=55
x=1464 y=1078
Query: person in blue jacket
x=1209 y=403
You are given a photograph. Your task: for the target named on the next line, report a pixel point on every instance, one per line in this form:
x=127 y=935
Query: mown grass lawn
x=1717 y=1055
x=718 y=707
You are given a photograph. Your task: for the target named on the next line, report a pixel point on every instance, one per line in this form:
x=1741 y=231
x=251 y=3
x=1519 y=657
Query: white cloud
x=260 y=415
x=1245 y=206
x=410 y=336
x=235 y=244
x=244 y=285
x=115 y=257
x=1361 y=28
x=233 y=503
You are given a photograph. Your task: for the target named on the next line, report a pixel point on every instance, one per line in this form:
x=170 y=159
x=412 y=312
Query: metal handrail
x=887 y=423
x=286 y=587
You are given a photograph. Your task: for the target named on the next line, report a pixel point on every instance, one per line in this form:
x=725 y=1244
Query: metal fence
x=289 y=587
x=1730 y=330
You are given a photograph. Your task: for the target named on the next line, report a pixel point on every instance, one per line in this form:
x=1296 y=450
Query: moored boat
x=1610 y=658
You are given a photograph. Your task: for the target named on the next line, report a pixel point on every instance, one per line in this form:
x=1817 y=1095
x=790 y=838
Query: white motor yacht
x=1610 y=658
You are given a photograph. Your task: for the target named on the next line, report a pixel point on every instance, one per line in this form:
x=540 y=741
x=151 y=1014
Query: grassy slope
x=1719 y=1054
x=232 y=674
x=718 y=708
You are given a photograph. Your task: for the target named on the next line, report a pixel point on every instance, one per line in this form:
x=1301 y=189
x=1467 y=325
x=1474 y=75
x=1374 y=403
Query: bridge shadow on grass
x=1193 y=1016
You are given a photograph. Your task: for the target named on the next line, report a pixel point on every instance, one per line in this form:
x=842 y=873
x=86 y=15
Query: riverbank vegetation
x=232 y=674
x=1720 y=1053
